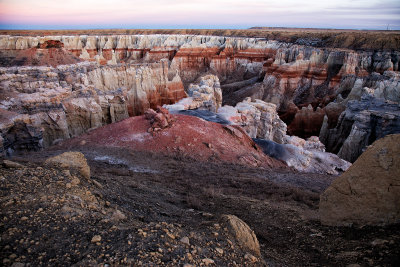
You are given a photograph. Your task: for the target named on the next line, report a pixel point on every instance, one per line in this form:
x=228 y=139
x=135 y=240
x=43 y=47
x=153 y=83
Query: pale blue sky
x=68 y=14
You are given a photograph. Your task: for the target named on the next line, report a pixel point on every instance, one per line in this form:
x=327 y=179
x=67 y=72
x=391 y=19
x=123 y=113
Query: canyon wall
x=40 y=105
x=300 y=80
x=233 y=59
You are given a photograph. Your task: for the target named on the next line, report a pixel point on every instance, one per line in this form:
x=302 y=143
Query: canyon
x=91 y=81
x=200 y=148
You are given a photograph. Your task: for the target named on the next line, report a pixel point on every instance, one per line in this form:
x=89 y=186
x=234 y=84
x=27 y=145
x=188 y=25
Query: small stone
x=66 y=173
x=118 y=216
x=12 y=165
x=18 y=264
x=189 y=256
x=99 y=185
x=75 y=181
x=170 y=235
x=378 y=242
x=40 y=210
x=12 y=256
x=188 y=265
x=96 y=238
x=68 y=185
x=207 y=215
x=207 y=261
x=24 y=218
x=185 y=240
x=219 y=250
x=250 y=257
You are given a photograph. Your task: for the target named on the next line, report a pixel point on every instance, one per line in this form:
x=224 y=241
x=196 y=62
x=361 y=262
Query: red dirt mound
x=187 y=136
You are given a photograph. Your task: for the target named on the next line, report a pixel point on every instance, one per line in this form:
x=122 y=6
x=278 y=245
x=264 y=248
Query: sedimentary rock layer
x=40 y=105
x=300 y=80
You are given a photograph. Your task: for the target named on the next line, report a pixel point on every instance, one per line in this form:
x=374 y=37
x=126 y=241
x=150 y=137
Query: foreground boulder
x=74 y=161
x=242 y=233
x=369 y=192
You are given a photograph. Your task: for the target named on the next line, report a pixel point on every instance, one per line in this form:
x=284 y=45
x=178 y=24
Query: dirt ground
x=142 y=204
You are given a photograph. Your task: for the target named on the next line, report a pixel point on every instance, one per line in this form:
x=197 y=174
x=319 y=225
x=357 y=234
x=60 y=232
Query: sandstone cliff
x=369 y=112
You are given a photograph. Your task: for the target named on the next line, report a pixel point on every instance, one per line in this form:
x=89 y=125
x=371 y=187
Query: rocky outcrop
x=258 y=118
x=360 y=125
x=365 y=115
x=205 y=95
x=261 y=122
x=231 y=58
x=159 y=119
x=40 y=105
x=304 y=155
x=307 y=122
x=302 y=76
x=369 y=192
x=73 y=161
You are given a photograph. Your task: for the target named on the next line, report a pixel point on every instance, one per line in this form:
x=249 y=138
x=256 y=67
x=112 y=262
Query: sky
x=199 y=14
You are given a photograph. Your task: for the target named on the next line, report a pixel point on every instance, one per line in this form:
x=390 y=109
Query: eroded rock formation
x=304 y=155
x=300 y=80
x=261 y=122
x=258 y=118
x=43 y=104
x=204 y=95
x=365 y=115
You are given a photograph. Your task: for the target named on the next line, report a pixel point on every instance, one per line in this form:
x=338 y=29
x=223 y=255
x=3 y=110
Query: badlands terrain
x=274 y=147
